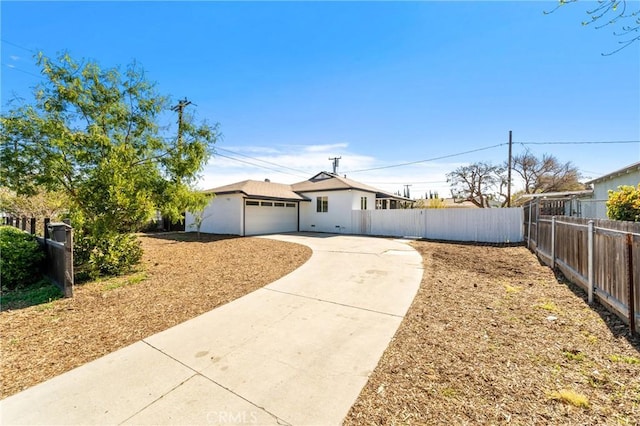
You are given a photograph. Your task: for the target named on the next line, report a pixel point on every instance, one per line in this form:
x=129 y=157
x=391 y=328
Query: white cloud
x=325 y=147
x=14 y=57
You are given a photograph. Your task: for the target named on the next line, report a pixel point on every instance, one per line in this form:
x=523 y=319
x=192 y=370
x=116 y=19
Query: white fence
x=479 y=225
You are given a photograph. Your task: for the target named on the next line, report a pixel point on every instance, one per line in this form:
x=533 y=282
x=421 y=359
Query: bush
x=624 y=204
x=112 y=254
x=20 y=258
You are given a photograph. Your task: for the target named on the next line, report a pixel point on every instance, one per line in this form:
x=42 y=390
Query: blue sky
x=379 y=84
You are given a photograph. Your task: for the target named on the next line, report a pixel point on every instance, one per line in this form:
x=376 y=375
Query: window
x=291 y=204
x=252 y=203
x=278 y=204
x=266 y=204
x=322 y=204
x=363 y=203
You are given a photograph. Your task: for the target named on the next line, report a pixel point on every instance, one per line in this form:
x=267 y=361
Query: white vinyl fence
x=479 y=225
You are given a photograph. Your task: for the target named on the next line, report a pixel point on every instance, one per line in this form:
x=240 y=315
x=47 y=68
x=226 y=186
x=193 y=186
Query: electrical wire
x=258 y=159
x=16 y=45
x=257 y=165
x=577 y=143
x=428 y=159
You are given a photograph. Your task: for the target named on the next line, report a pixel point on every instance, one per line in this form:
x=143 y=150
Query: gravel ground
x=179 y=278
x=495 y=337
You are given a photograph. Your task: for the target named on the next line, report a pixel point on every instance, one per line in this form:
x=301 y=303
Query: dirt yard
x=179 y=279
x=494 y=337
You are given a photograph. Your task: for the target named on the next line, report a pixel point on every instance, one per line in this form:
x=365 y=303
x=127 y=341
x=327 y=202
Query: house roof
x=629 y=169
x=323 y=181
x=259 y=189
x=560 y=194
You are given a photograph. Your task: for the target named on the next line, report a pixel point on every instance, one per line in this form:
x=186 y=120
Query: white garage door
x=270 y=217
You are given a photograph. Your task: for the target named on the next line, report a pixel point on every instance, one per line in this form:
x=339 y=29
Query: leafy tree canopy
x=94 y=135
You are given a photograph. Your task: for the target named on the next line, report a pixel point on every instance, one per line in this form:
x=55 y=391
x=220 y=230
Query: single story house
x=322 y=203
x=595 y=207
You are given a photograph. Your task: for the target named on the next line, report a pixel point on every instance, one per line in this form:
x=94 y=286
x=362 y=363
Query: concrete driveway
x=297 y=351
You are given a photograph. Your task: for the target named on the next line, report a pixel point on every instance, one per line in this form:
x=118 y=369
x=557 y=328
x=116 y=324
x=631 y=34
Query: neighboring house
x=595 y=207
x=589 y=203
x=323 y=204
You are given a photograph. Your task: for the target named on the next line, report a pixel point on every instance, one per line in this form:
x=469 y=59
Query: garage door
x=270 y=217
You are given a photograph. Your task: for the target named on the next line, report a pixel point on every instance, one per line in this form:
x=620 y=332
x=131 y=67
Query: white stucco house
x=322 y=203
x=595 y=206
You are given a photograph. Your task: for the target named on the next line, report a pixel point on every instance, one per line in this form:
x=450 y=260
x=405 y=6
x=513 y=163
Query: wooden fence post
x=46 y=228
x=553 y=242
x=529 y=227
x=632 y=314
x=68 y=262
x=590 y=260
x=32 y=225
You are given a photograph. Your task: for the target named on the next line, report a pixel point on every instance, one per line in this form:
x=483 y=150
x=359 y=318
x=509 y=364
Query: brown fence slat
x=616 y=256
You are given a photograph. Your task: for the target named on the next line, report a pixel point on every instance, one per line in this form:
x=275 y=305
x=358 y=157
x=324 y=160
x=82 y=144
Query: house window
x=252 y=203
x=266 y=204
x=278 y=204
x=291 y=204
x=322 y=204
x=363 y=203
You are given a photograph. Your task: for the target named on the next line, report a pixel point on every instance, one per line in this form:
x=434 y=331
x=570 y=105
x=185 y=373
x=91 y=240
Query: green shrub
x=113 y=254
x=624 y=204
x=20 y=257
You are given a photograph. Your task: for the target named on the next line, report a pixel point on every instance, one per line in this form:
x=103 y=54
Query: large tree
x=546 y=174
x=480 y=183
x=620 y=15
x=95 y=135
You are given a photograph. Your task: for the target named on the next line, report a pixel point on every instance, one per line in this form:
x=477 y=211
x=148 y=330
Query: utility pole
x=336 y=161
x=179 y=109
x=509 y=172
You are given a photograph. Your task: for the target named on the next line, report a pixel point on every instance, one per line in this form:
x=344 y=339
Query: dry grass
x=179 y=279
x=494 y=337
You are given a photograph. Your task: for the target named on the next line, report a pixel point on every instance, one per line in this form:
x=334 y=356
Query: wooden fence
x=57 y=243
x=478 y=225
x=601 y=256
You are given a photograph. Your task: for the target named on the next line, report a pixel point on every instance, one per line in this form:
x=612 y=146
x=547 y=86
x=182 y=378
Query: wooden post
x=32 y=226
x=24 y=223
x=46 y=228
x=68 y=262
x=553 y=242
x=529 y=230
x=537 y=225
x=590 y=260
x=632 y=314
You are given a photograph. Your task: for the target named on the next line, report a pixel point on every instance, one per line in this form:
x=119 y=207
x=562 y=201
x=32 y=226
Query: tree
x=197 y=211
x=41 y=204
x=609 y=13
x=546 y=174
x=624 y=204
x=93 y=135
x=478 y=183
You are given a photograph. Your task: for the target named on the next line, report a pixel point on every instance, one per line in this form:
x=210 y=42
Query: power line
x=578 y=143
x=428 y=159
x=17 y=45
x=11 y=67
x=258 y=159
x=257 y=165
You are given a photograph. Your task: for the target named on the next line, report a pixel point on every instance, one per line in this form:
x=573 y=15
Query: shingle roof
x=325 y=181
x=259 y=189
x=321 y=182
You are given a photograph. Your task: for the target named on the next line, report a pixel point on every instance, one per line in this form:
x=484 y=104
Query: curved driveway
x=297 y=351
